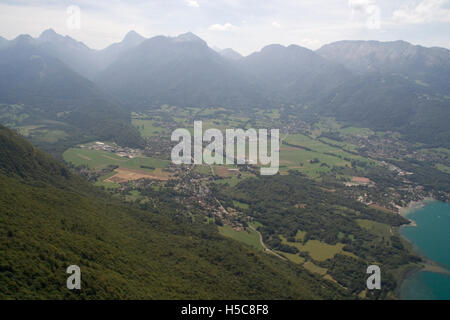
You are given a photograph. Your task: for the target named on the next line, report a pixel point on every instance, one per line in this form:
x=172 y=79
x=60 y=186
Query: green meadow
x=240 y=205
x=376 y=228
x=148 y=128
x=249 y=237
x=313 y=156
x=100 y=159
x=107 y=185
x=443 y=168
x=353 y=131
x=318 y=250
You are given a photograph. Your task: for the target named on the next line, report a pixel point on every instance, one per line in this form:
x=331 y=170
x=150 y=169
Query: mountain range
x=386 y=86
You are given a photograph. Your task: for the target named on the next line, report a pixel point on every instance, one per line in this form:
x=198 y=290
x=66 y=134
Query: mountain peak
x=189 y=37
x=272 y=47
x=230 y=54
x=133 y=37
x=23 y=39
x=49 y=34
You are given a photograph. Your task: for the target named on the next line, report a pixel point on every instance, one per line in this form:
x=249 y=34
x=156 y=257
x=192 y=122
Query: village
x=124 y=152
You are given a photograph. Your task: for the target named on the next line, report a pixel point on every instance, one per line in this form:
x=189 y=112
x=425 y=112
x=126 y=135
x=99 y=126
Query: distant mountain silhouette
x=383 y=85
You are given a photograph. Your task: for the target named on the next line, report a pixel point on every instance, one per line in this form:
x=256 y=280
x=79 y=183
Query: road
x=267 y=250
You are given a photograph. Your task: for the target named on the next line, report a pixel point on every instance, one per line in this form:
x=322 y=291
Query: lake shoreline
x=427 y=265
x=412 y=206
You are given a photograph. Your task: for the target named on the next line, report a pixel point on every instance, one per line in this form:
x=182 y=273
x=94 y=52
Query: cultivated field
x=100 y=159
x=124 y=175
x=129 y=169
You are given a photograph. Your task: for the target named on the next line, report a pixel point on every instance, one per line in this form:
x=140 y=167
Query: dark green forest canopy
x=51 y=219
x=287 y=204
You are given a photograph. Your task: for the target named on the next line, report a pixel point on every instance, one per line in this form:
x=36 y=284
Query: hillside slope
x=51 y=219
x=181 y=71
x=50 y=92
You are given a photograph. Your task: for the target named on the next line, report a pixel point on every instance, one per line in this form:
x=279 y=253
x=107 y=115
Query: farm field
x=128 y=169
x=313 y=156
x=100 y=159
x=339 y=144
x=308 y=153
x=123 y=175
x=352 y=131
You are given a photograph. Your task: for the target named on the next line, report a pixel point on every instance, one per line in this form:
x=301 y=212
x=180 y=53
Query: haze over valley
x=87 y=176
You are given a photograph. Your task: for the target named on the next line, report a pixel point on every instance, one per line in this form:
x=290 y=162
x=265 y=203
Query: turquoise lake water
x=431 y=238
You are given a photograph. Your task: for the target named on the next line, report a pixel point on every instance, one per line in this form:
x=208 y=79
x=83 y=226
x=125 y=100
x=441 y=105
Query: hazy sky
x=244 y=25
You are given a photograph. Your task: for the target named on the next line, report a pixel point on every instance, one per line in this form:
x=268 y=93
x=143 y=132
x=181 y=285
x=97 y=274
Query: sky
x=244 y=25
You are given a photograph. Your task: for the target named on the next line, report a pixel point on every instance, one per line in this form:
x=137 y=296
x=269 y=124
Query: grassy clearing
x=26 y=130
x=101 y=159
x=148 y=128
x=293 y=257
x=108 y=185
x=41 y=133
x=231 y=181
x=346 y=146
x=133 y=196
x=321 y=251
x=202 y=169
x=443 y=168
x=300 y=236
x=240 y=205
x=315 y=269
x=377 y=228
x=353 y=131
x=249 y=237
x=48 y=135
x=256 y=224
x=318 y=250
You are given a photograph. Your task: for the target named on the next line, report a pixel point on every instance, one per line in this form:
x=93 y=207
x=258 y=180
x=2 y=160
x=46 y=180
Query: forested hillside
x=386 y=86
x=49 y=93
x=51 y=219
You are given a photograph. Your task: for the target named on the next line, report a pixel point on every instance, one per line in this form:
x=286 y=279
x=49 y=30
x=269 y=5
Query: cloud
x=426 y=11
x=222 y=27
x=276 y=24
x=367 y=10
x=242 y=25
x=310 y=43
x=192 y=3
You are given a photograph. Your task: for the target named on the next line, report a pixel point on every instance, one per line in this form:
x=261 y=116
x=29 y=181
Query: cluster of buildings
x=125 y=152
x=396 y=169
